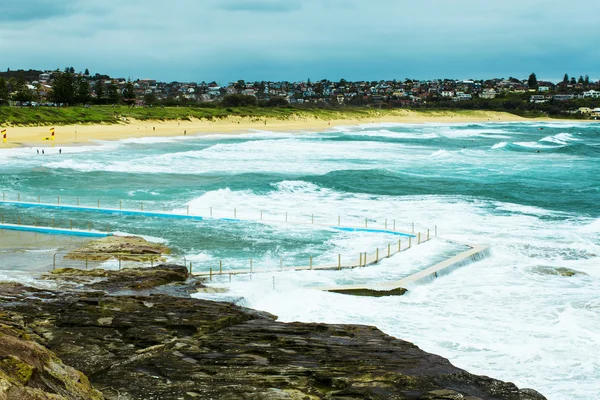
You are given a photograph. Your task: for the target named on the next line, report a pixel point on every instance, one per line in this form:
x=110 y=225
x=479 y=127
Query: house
x=543 y=88
x=584 y=110
x=488 y=94
x=563 y=97
x=592 y=94
x=447 y=93
x=462 y=96
x=537 y=98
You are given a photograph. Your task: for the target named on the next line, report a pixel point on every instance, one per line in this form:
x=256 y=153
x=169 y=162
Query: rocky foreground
x=136 y=334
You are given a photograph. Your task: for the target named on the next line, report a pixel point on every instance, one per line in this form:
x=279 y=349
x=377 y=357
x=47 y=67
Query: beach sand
x=39 y=136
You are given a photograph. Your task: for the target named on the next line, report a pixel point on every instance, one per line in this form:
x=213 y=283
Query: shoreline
x=78 y=134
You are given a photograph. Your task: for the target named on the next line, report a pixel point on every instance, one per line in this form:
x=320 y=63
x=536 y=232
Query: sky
x=227 y=40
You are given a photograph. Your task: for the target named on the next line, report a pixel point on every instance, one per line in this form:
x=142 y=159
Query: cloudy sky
x=224 y=40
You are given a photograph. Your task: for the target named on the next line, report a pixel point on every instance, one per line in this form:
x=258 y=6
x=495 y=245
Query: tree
x=532 y=81
x=586 y=81
x=113 y=94
x=580 y=81
x=150 y=99
x=239 y=100
x=3 y=91
x=63 y=88
x=87 y=72
x=566 y=79
x=99 y=90
x=240 y=85
x=573 y=81
x=83 y=91
x=129 y=93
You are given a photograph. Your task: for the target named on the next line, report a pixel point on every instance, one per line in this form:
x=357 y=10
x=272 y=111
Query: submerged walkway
x=195 y=217
x=55 y=231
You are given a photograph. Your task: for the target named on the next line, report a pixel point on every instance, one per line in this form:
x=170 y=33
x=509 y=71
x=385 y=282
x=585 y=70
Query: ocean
x=529 y=190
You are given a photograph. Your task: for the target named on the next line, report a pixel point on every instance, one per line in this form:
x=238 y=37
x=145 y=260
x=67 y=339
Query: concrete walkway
x=475 y=253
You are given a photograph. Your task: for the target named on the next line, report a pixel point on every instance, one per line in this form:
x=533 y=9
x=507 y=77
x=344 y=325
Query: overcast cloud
x=224 y=40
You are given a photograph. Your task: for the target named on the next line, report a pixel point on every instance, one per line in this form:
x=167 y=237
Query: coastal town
x=574 y=96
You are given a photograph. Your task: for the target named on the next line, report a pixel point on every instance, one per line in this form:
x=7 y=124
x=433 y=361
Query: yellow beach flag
x=4 y=135
x=52 y=132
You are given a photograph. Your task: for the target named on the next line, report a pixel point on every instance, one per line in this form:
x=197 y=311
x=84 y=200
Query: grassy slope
x=107 y=114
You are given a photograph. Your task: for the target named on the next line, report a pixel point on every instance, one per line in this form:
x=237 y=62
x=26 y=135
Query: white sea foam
x=534 y=145
x=499 y=145
x=560 y=139
x=500 y=317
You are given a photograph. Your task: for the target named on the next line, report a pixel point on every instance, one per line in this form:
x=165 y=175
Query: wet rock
x=165 y=347
x=125 y=248
x=562 y=271
x=126 y=279
x=30 y=371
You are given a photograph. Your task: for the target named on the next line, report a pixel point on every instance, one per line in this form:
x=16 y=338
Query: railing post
x=427 y=234
x=19 y=197
x=365 y=222
x=119 y=264
x=399 y=249
x=377 y=256
x=235 y=213
x=250 y=265
x=120 y=204
x=98 y=203
x=365 y=259
x=38 y=198
x=78 y=202
x=339 y=261
x=261 y=215
x=339 y=220
x=360 y=259
x=86 y=263
x=71 y=224
x=151 y=262
x=54 y=262
x=188 y=210
x=386 y=223
x=286 y=217
x=435 y=232
x=190 y=267
x=211 y=211
x=310 y=263
x=18 y=220
x=58 y=200
x=394 y=225
x=409 y=242
x=211 y=274
x=312 y=218
x=389 y=250
x=419 y=238
x=413 y=228
x=221 y=267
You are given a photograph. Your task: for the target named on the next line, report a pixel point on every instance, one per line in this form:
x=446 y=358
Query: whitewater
x=530 y=191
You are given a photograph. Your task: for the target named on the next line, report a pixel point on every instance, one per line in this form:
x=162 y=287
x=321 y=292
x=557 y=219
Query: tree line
x=68 y=88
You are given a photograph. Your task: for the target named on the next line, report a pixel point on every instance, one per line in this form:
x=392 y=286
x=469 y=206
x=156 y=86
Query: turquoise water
x=529 y=190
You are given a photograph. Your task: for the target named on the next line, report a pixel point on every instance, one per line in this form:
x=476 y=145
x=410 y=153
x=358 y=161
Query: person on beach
x=59 y=151
x=184 y=133
x=38 y=151
x=42 y=151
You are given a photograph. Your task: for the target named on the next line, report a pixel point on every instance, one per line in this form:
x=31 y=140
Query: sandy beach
x=65 y=135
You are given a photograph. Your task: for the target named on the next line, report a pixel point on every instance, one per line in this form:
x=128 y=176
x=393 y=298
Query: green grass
x=33 y=116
